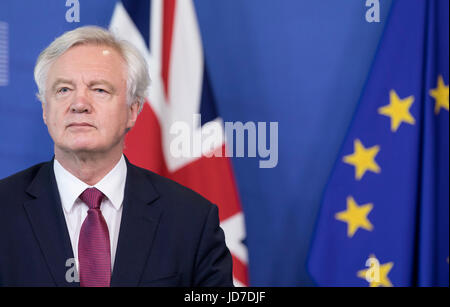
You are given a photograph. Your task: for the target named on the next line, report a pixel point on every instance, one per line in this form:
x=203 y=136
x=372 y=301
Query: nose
x=81 y=104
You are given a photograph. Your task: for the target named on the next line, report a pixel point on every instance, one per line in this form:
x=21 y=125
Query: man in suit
x=89 y=210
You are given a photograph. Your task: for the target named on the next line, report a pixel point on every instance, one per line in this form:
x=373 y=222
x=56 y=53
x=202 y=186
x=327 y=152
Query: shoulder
x=20 y=180
x=13 y=189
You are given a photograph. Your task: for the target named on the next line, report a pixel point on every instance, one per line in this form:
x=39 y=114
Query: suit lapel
x=48 y=223
x=140 y=218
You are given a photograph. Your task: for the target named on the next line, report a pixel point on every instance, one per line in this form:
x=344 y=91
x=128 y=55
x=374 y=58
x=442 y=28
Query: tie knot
x=92 y=197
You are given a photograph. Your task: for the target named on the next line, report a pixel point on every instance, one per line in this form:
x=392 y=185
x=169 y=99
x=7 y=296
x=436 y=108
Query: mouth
x=79 y=125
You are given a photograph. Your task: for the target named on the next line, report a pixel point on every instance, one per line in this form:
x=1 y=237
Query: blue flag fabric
x=384 y=219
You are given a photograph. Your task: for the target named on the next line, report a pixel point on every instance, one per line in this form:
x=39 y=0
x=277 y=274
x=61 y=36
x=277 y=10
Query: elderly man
x=89 y=212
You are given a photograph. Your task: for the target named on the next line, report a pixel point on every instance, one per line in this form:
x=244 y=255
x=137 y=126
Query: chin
x=82 y=147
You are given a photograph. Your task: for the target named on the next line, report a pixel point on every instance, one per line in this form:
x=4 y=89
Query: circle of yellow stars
x=363 y=160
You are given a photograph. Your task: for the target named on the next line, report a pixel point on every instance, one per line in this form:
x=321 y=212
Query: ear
x=133 y=112
x=44 y=116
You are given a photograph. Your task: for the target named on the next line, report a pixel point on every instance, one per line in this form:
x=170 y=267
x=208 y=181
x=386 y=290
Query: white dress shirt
x=75 y=211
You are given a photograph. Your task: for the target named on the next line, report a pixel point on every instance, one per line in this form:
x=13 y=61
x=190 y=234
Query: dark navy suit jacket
x=169 y=235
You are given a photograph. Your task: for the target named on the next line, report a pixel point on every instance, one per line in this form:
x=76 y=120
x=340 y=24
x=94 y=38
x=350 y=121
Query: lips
x=80 y=125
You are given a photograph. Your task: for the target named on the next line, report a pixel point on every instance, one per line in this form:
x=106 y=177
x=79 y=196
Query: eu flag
x=384 y=219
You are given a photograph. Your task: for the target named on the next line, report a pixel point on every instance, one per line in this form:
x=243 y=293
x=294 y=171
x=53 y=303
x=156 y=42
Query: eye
x=63 y=90
x=100 y=90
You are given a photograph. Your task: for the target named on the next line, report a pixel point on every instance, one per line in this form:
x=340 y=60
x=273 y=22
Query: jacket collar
x=140 y=219
x=47 y=220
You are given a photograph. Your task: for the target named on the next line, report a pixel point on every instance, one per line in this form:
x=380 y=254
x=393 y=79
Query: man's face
x=86 y=100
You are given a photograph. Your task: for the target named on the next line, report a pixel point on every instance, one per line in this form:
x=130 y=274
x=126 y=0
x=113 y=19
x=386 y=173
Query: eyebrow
x=59 y=81
x=102 y=82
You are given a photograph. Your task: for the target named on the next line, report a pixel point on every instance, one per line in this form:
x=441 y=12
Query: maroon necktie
x=94 y=254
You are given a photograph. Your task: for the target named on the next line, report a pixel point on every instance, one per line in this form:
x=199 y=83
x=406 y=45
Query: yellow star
x=398 y=110
x=355 y=216
x=363 y=159
x=377 y=275
x=440 y=94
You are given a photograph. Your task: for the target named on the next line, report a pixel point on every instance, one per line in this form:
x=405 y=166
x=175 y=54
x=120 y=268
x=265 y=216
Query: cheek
x=48 y=118
x=112 y=124
x=54 y=121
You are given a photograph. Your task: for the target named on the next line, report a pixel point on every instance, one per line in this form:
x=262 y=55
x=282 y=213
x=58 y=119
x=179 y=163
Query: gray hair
x=138 y=79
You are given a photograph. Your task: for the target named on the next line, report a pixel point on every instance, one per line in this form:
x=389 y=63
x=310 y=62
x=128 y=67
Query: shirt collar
x=112 y=185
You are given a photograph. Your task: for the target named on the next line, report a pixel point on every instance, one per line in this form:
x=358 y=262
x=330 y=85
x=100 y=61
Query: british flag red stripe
x=168 y=19
x=176 y=64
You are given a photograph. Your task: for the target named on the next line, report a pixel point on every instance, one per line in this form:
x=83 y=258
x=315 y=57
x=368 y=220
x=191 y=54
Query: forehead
x=89 y=61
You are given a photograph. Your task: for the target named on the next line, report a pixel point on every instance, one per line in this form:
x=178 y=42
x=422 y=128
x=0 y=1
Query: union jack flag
x=167 y=33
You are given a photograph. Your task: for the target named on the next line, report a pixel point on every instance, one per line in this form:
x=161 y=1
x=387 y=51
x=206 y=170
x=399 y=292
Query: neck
x=88 y=167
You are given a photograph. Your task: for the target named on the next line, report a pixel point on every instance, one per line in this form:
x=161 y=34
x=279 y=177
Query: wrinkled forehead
x=89 y=61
